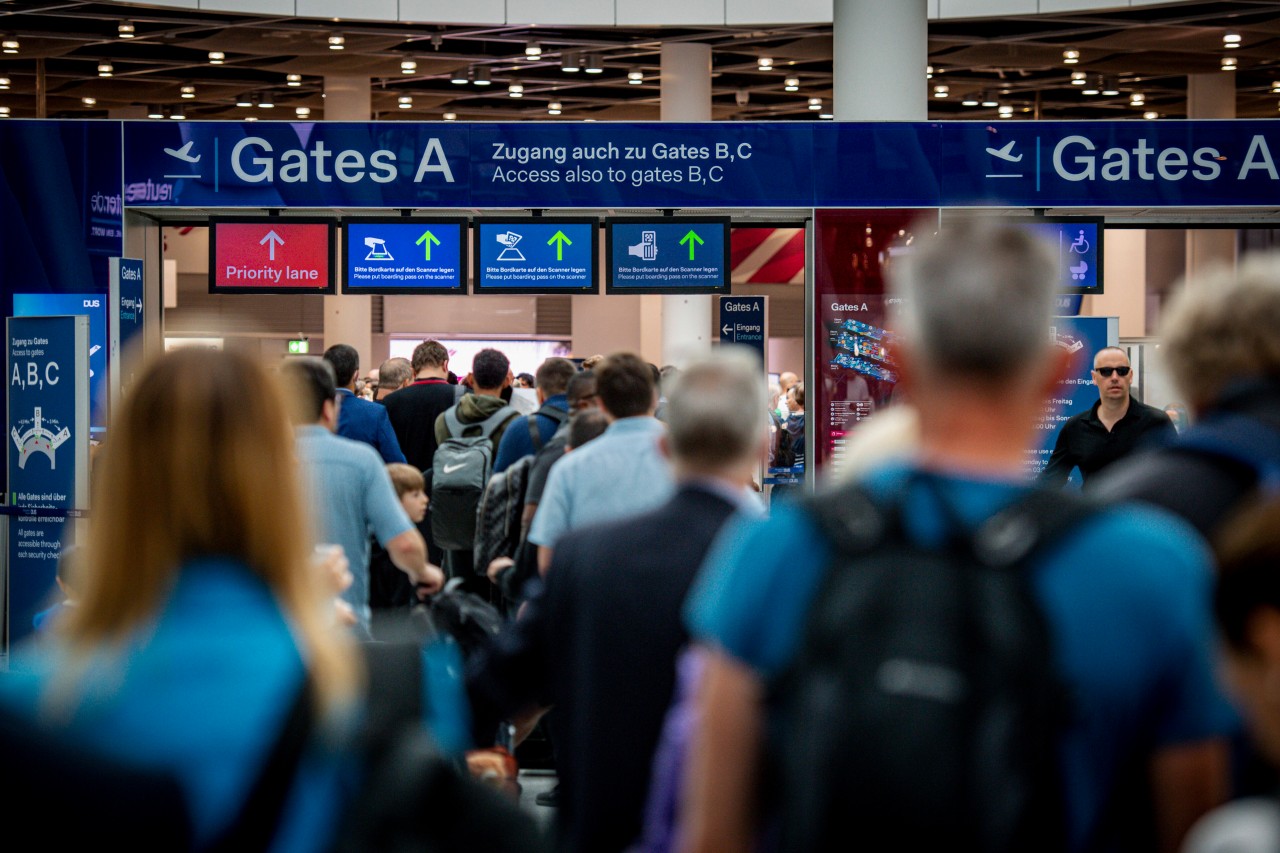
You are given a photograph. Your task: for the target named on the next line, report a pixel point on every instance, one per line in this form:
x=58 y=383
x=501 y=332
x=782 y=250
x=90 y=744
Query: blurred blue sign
x=405 y=256
x=93 y=306
x=668 y=255
x=743 y=321
x=536 y=255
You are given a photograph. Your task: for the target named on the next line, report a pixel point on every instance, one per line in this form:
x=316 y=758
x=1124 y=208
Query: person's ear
x=664 y=446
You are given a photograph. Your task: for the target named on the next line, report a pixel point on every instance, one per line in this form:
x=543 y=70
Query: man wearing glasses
x=1112 y=428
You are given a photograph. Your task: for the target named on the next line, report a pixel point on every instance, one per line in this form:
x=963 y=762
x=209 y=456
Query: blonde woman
x=200 y=615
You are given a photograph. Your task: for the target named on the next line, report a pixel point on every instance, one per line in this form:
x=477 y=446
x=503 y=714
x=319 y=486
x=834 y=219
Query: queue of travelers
x=929 y=651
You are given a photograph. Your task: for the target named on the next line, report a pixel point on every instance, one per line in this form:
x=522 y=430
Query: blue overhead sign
x=675 y=255
x=405 y=256
x=743 y=321
x=712 y=164
x=93 y=306
x=536 y=255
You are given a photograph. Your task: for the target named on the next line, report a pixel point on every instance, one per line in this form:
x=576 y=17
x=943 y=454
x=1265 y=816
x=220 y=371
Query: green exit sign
x=299 y=347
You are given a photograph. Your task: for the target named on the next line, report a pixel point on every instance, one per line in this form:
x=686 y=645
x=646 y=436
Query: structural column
x=686 y=96
x=1211 y=95
x=349 y=319
x=880 y=52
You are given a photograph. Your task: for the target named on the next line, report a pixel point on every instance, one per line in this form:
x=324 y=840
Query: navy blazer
x=360 y=420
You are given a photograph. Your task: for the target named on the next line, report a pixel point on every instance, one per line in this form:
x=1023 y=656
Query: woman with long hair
x=201 y=615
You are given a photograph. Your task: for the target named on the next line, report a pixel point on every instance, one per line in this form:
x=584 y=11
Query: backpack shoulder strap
x=1019 y=533
x=1241 y=439
x=852 y=518
x=451 y=422
x=534 y=435
x=497 y=419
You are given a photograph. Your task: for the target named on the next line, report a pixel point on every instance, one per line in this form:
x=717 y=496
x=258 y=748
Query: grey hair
x=394 y=372
x=975 y=300
x=1223 y=327
x=716 y=409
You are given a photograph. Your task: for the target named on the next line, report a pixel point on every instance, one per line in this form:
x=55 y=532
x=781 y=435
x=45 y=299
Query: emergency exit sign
x=299 y=347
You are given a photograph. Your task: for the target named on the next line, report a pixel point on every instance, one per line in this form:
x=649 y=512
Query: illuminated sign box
x=668 y=255
x=1078 y=243
x=394 y=256
x=271 y=255
x=536 y=255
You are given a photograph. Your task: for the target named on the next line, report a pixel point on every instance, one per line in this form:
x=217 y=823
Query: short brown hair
x=429 y=354
x=554 y=375
x=405 y=478
x=625 y=385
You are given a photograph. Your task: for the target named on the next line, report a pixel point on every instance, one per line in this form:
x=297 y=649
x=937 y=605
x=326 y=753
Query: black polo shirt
x=1086 y=444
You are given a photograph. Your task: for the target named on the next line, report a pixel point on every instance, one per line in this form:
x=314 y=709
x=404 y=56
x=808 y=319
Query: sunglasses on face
x=1107 y=371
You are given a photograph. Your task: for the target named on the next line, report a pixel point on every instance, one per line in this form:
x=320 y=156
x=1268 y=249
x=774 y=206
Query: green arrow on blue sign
x=693 y=240
x=559 y=240
x=429 y=239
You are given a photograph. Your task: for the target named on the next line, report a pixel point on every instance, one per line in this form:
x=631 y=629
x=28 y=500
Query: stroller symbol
x=1078 y=271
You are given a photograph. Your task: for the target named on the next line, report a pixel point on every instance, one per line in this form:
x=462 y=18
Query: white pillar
x=1211 y=95
x=686 y=96
x=880 y=52
x=349 y=319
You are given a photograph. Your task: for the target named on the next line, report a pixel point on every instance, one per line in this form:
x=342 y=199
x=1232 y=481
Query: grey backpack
x=459 y=473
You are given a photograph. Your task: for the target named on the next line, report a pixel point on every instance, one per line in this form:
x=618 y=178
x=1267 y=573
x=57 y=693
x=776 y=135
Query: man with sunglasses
x=1111 y=429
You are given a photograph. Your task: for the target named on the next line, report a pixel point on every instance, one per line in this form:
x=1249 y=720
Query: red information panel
x=854 y=369
x=271 y=256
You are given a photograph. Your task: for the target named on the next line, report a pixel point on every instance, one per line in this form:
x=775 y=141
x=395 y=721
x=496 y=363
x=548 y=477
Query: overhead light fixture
x=827 y=116
x=217 y=57
x=1275 y=87
x=88 y=102
x=1078 y=78
x=554 y=108
x=460 y=77
x=405 y=102
x=302 y=112
x=105 y=69
x=515 y=90
x=1228 y=63
x=1150 y=114
x=250 y=118
x=155 y=112
x=188 y=92
x=1230 y=39
x=483 y=76
x=1094 y=87
x=942 y=90
x=594 y=65
x=337 y=41
x=928 y=72
x=970 y=101
x=570 y=61
x=294 y=80
x=1137 y=99
x=9 y=44
x=244 y=101
x=635 y=77
x=1070 y=56
x=408 y=66
x=1109 y=88
x=791 y=84
x=177 y=113
x=450 y=116
x=4 y=112
x=532 y=50
x=5 y=82
x=988 y=101
x=1005 y=111
x=764 y=63
x=815 y=104
x=266 y=102
x=125 y=30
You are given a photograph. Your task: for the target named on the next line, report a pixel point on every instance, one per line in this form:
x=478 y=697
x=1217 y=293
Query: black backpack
x=459 y=473
x=500 y=513
x=923 y=711
x=784 y=445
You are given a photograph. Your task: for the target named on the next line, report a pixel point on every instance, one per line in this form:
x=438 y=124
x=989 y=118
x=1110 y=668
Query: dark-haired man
x=359 y=419
x=620 y=473
x=553 y=409
x=1113 y=428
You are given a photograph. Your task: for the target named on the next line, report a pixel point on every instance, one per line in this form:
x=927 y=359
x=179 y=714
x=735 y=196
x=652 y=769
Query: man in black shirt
x=1111 y=429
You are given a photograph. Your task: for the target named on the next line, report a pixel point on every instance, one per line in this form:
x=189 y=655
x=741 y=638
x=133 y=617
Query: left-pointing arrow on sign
x=271 y=241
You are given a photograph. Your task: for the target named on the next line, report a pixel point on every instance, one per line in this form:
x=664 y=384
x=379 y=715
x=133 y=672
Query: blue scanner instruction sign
x=405 y=256
x=668 y=255
x=536 y=255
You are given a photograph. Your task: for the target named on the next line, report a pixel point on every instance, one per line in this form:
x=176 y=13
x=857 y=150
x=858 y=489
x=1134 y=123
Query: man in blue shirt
x=359 y=419
x=351 y=491
x=518 y=440
x=1125 y=594
x=621 y=473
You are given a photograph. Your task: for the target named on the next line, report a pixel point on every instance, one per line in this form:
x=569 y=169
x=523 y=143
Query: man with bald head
x=1111 y=429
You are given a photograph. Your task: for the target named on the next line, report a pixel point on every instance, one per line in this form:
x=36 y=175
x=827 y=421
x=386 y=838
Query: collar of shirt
x=312 y=431
x=346 y=392
x=1129 y=413
x=431 y=380
x=557 y=401
x=638 y=425
x=742 y=498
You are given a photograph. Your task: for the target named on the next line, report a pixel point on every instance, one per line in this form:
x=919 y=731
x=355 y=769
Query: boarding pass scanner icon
x=647 y=248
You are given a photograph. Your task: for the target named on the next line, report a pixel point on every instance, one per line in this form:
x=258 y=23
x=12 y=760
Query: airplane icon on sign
x=1005 y=153
x=184 y=153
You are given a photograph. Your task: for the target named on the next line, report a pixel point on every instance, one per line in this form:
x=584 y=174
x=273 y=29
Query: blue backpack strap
x=1239 y=439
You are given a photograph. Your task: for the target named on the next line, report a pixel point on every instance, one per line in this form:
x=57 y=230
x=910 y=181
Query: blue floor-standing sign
x=125 y=305
x=48 y=437
x=743 y=321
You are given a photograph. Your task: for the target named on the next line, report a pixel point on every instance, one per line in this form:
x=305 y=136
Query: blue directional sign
x=744 y=321
x=536 y=255
x=671 y=255
x=93 y=306
x=391 y=256
x=1078 y=242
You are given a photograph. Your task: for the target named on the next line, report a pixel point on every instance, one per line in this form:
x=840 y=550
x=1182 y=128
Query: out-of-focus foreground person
x=200 y=614
x=1119 y=601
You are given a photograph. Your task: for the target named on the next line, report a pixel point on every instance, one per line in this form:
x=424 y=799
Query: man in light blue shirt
x=350 y=490
x=620 y=473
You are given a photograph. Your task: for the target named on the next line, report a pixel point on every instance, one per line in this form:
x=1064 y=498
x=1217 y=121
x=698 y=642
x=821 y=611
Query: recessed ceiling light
x=125 y=30
x=250 y=118
x=188 y=91
x=450 y=116
x=765 y=63
x=105 y=69
x=791 y=84
x=1230 y=39
x=1228 y=63
x=515 y=90
x=302 y=112
x=408 y=66
x=1078 y=78
x=217 y=57
x=9 y=44
x=405 y=102
x=815 y=104
x=88 y=102
x=941 y=90
x=337 y=41
x=293 y=80
x=1275 y=87
x=482 y=76
x=4 y=112
x=1005 y=111
x=554 y=108
x=5 y=82
x=928 y=72
x=532 y=50
x=1150 y=114
x=635 y=76
x=1070 y=56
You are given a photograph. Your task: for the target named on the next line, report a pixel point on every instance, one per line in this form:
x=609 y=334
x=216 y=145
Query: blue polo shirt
x=517 y=443
x=1127 y=598
x=352 y=496
x=620 y=473
x=361 y=420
